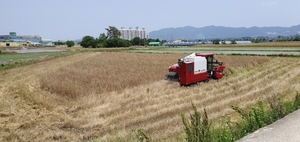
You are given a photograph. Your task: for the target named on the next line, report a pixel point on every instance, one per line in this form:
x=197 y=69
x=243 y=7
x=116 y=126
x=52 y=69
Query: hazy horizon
x=71 y=20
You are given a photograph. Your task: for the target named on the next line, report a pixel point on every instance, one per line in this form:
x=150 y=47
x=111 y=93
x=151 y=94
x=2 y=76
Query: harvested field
x=107 y=96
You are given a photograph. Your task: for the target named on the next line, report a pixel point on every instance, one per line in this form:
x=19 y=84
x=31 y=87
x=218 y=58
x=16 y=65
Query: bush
x=88 y=41
x=70 y=43
x=116 y=42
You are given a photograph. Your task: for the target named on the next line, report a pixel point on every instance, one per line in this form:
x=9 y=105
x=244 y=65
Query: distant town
x=140 y=37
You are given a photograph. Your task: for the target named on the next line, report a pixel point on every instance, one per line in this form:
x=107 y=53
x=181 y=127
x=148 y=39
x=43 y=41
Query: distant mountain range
x=209 y=32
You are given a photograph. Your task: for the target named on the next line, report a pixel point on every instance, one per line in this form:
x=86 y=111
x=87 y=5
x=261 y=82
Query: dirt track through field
x=154 y=107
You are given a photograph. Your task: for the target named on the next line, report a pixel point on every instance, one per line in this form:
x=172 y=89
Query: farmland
x=7 y=58
x=292 y=48
x=107 y=96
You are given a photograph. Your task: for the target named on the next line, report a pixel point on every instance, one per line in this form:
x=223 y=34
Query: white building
x=129 y=34
x=47 y=42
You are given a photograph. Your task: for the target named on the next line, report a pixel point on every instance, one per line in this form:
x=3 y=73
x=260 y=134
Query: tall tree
x=113 y=32
x=101 y=42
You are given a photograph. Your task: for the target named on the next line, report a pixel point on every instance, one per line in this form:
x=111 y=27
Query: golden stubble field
x=108 y=96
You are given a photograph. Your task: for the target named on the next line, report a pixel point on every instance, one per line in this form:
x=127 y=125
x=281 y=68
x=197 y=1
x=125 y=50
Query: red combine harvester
x=197 y=67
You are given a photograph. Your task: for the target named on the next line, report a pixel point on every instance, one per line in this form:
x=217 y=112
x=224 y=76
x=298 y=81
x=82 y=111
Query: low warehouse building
x=13 y=40
x=47 y=42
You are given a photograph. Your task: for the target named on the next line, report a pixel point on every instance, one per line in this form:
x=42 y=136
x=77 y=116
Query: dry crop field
x=108 y=96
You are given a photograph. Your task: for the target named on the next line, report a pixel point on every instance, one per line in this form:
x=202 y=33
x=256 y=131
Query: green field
x=225 y=50
x=7 y=58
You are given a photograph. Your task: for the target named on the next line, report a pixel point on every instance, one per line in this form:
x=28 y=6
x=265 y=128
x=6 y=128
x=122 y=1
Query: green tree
x=101 y=42
x=116 y=42
x=102 y=36
x=297 y=38
x=112 y=42
x=144 y=42
x=59 y=43
x=70 y=43
x=124 y=43
x=113 y=32
x=136 y=41
x=88 y=41
x=216 y=41
x=232 y=41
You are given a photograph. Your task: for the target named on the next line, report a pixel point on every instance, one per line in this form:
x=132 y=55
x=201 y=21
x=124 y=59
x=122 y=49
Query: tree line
x=69 y=43
x=112 y=39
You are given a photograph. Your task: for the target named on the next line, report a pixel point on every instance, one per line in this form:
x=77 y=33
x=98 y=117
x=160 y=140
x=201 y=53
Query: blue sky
x=73 y=19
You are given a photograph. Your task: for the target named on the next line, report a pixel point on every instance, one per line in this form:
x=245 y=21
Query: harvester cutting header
x=196 y=67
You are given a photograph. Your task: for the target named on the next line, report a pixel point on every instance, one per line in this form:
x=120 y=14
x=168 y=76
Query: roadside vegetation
x=232 y=128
